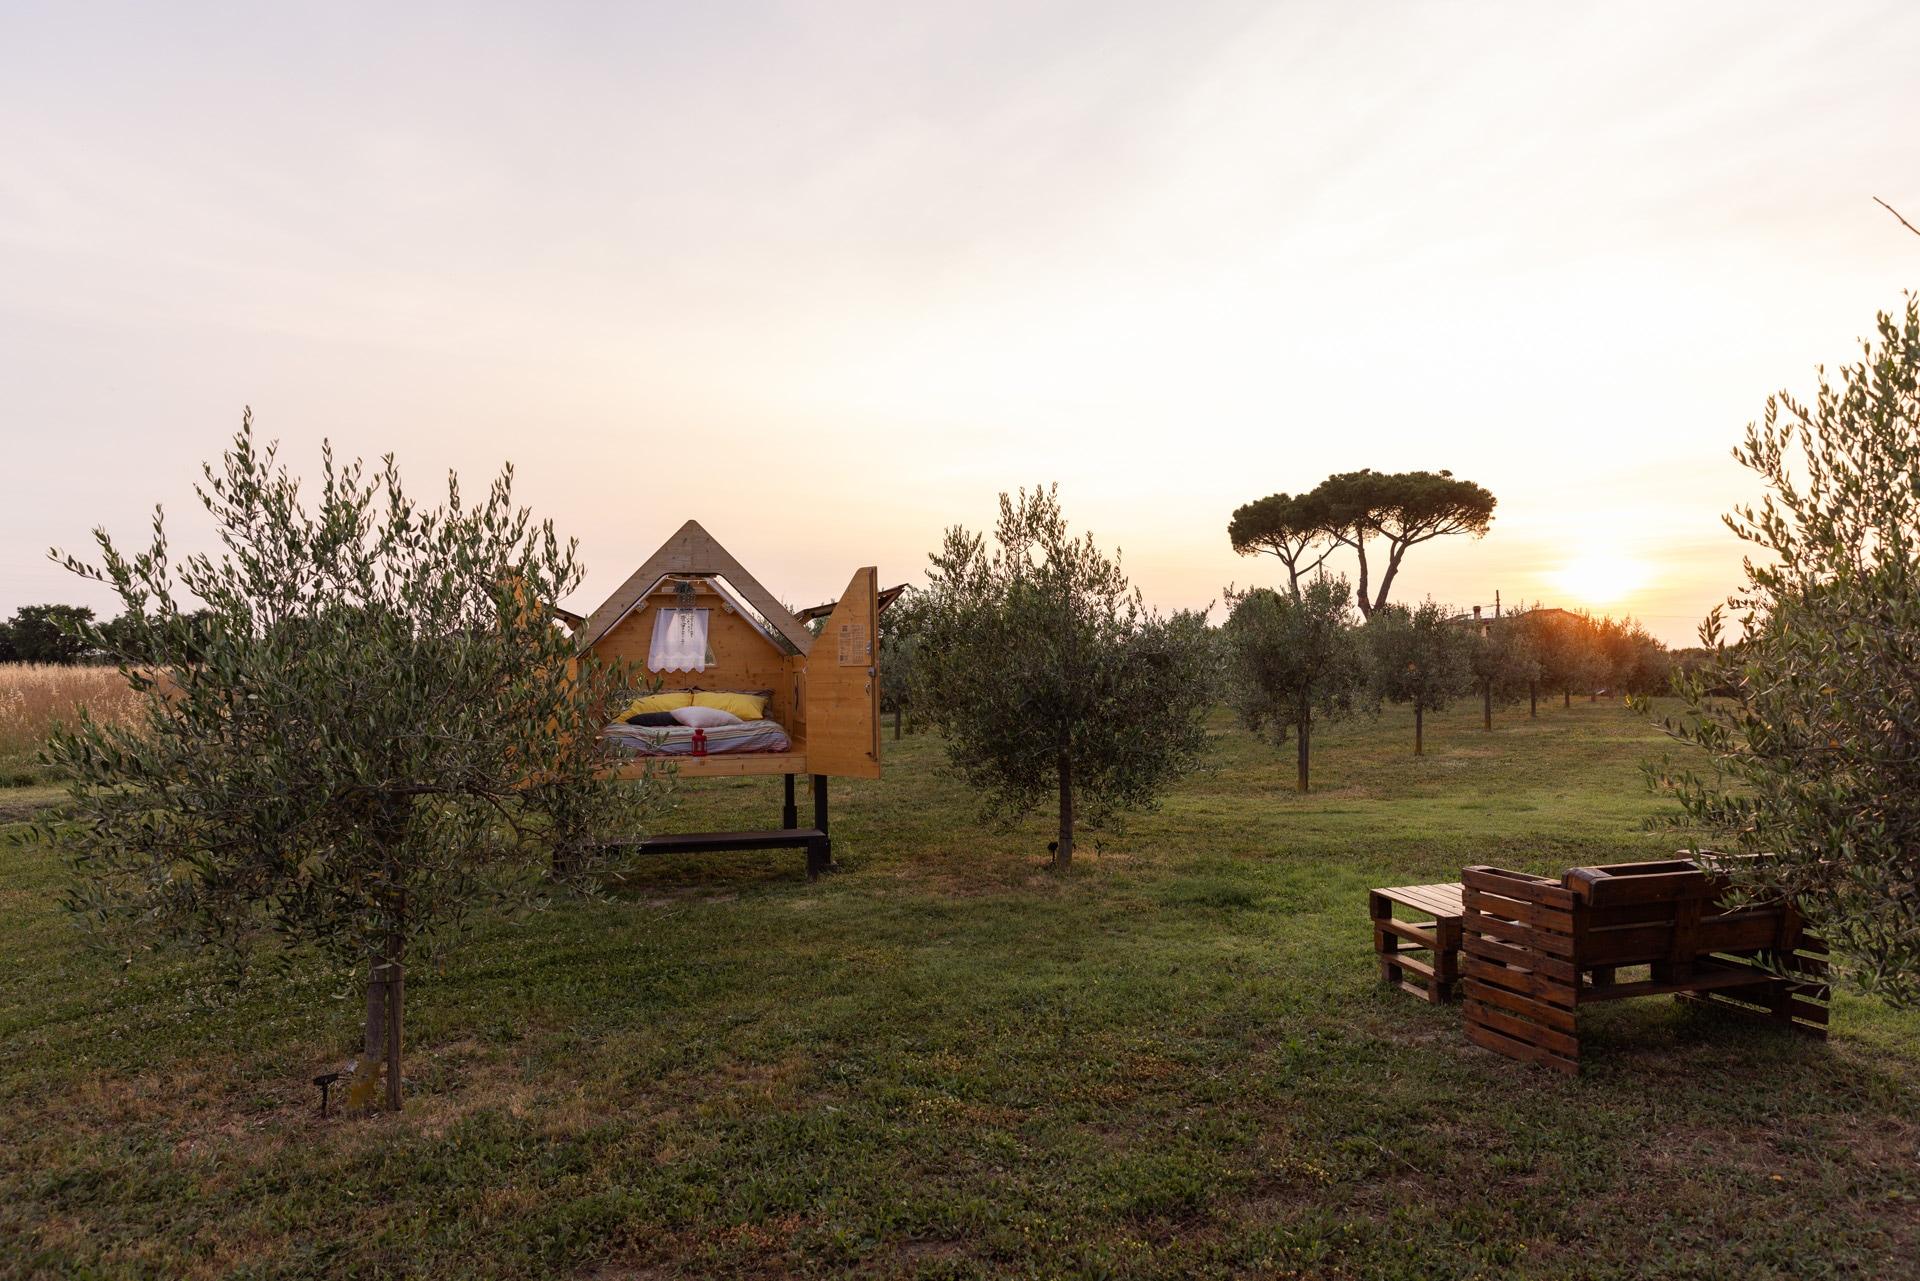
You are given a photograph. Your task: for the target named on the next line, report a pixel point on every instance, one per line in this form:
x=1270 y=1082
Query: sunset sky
x=828 y=277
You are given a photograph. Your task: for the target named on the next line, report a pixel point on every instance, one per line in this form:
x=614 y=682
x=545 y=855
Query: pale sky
x=828 y=277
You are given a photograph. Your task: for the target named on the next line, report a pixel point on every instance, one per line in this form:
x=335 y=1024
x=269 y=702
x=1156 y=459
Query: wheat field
x=34 y=697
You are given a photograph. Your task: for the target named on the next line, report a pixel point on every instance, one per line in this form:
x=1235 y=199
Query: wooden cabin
x=824 y=691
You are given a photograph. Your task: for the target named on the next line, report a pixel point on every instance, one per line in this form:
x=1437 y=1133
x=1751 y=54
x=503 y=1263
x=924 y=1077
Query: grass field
x=945 y=1062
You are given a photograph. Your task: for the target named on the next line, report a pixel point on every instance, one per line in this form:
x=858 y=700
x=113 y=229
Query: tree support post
x=789 y=813
x=1063 y=844
x=396 y=990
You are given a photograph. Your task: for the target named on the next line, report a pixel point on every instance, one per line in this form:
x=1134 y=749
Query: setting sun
x=1601 y=577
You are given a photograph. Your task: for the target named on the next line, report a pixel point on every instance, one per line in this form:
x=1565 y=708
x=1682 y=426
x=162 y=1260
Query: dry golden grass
x=34 y=697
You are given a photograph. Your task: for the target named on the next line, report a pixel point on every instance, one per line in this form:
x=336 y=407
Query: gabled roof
x=693 y=551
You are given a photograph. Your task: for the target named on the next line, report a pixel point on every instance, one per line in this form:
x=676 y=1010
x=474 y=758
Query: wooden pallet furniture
x=1537 y=950
x=1394 y=939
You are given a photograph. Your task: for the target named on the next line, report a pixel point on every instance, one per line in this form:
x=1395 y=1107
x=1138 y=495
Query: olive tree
x=1636 y=662
x=1419 y=658
x=1566 y=652
x=900 y=637
x=372 y=728
x=1291 y=660
x=1504 y=665
x=1049 y=677
x=1812 y=756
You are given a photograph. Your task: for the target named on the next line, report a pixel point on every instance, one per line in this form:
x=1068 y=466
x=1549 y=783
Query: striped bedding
x=749 y=736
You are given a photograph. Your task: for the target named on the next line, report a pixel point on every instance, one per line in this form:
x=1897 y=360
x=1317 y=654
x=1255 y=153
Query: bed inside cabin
x=727 y=680
x=714 y=669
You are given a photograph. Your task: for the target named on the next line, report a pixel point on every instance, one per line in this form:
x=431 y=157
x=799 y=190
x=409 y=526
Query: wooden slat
x=1553 y=1016
x=1536 y=986
x=1626 y=914
x=1524 y=936
x=1609 y=891
x=1738 y=931
x=1808 y=1010
x=1493 y=950
x=1512 y=885
x=1405 y=961
x=1627 y=945
x=1489 y=1039
x=1421 y=933
x=1702 y=980
x=1435 y=900
x=1550 y=918
x=1562 y=1043
x=1806 y=1026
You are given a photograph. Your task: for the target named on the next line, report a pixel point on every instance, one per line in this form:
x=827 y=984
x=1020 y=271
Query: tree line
x=1027 y=657
x=59 y=635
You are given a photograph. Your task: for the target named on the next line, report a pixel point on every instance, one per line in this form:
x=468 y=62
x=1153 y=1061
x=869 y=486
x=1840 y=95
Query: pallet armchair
x=1537 y=950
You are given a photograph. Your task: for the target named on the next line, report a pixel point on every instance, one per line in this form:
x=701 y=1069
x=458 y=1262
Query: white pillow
x=704 y=717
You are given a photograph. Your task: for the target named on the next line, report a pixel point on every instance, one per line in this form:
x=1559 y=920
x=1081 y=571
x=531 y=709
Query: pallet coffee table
x=1435 y=978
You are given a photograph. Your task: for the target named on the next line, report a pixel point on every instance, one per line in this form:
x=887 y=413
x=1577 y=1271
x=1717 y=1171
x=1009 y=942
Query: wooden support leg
x=1780 y=999
x=1379 y=908
x=820 y=852
x=1446 y=961
x=1395 y=941
x=790 y=813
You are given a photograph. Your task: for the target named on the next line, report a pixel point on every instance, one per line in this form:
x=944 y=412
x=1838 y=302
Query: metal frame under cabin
x=824 y=691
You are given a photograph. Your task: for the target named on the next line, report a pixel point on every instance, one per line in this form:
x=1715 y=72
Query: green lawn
x=946 y=1062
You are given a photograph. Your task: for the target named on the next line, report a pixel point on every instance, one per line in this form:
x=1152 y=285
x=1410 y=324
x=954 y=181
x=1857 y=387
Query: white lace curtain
x=679 y=641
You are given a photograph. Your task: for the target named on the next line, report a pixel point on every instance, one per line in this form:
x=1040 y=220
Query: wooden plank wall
x=1518 y=979
x=843 y=685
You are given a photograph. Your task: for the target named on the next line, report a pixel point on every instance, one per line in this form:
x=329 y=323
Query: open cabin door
x=843 y=685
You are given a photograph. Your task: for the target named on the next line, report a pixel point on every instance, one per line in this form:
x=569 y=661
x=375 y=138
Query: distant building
x=1484 y=616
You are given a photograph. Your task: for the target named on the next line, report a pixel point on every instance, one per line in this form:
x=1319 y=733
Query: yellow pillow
x=748 y=707
x=665 y=701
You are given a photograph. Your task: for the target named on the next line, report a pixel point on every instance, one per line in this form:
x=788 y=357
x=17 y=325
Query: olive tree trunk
x=1305 y=727
x=386 y=974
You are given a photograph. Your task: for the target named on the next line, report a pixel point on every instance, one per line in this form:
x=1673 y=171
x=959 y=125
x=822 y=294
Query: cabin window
x=679 y=641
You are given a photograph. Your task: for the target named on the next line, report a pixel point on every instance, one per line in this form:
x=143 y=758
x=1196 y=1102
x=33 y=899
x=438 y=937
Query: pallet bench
x=1538 y=950
x=1434 y=978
